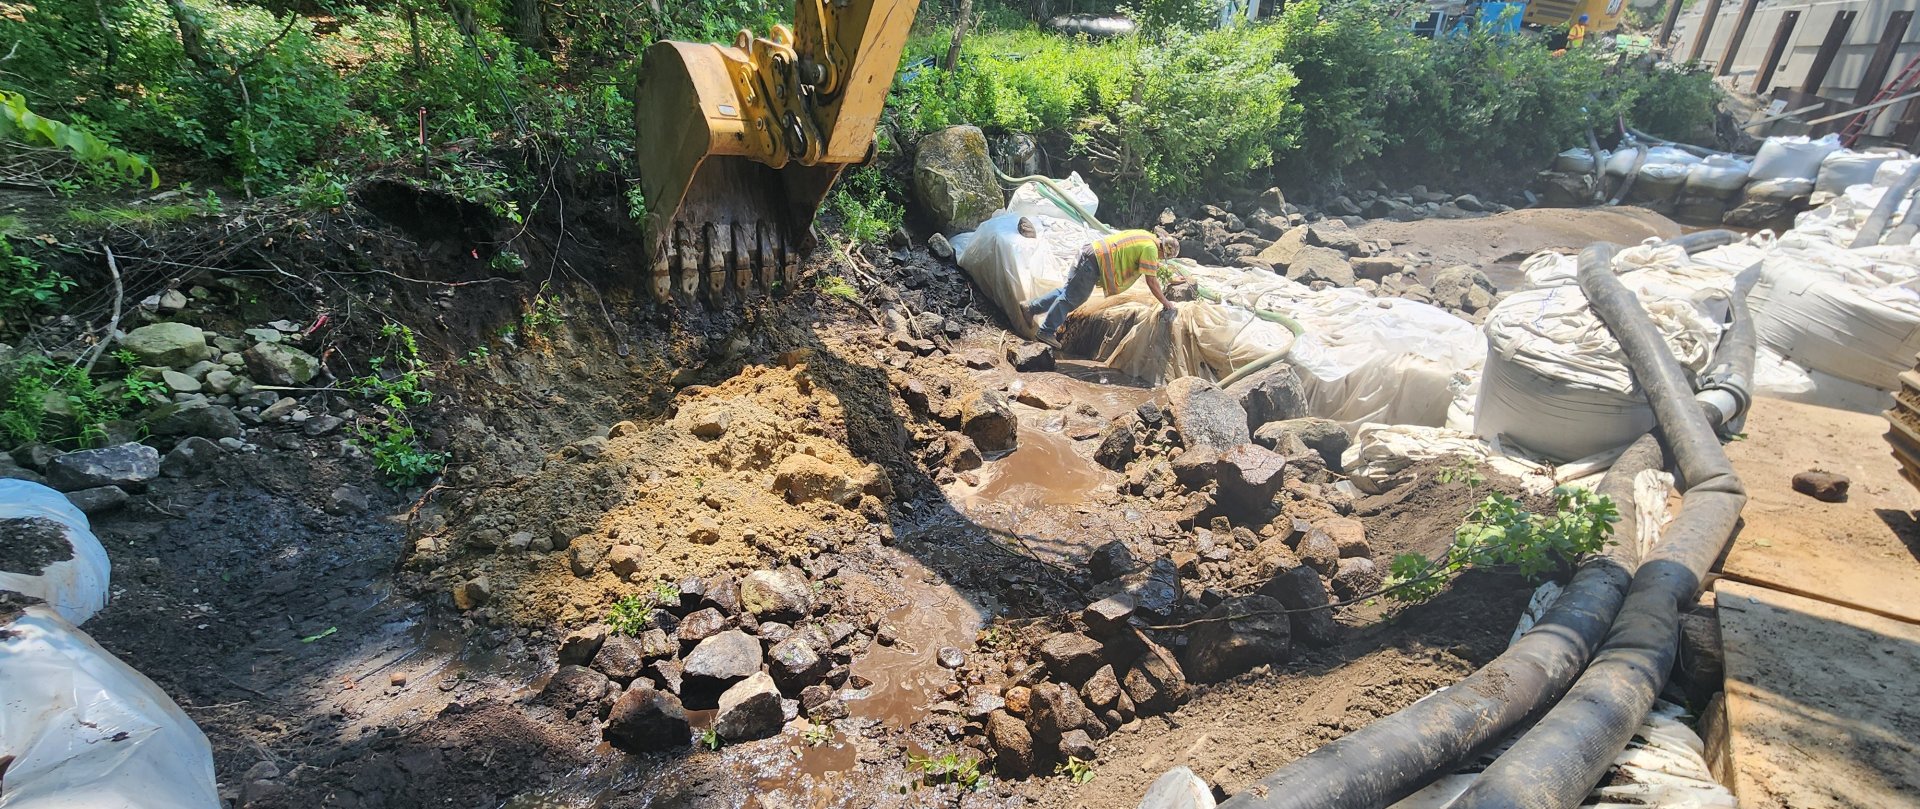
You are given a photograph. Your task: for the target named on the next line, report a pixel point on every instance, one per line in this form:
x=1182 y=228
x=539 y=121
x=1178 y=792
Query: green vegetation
x=397 y=383
x=708 y=738
x=27 y=287
x=1076 y=768
x=950 y=768
x=631 y=614
x=817 y=734
x=22 y=125
x=861 y=198
x=58 y=404
x=1326 y=88
x=1501 y=533
x=837 y=287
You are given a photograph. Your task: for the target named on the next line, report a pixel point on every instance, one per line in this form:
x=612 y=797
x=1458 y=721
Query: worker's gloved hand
x=1169 y=309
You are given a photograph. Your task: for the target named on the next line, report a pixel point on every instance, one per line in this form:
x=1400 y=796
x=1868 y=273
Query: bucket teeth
x=718 y=261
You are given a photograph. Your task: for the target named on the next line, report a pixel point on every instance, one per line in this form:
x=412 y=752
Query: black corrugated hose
x=1558 y=761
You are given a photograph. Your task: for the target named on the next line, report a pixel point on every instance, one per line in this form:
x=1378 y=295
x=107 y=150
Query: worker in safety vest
x=1577 y=33
x=1114 y=262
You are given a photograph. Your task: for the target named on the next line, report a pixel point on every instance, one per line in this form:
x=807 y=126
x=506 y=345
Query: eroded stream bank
x=927 y=522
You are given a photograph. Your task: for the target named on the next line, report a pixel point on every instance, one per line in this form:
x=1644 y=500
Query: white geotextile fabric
x=1555 y=383
x=1380 y=455
x=1852 y=314
x=86 y=731
x=1792 y=158
x=83 y=729
x=75 y=587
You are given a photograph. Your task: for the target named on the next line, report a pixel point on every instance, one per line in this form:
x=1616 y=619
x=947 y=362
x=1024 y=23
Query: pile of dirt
x=753 y=470
x=1420 y=516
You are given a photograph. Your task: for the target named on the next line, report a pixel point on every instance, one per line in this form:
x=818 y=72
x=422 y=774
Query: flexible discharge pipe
x=1397 y=755
x=1876 y=224
x=1558 y=761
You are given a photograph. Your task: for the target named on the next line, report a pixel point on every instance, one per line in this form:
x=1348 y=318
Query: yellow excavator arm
x=739 y=144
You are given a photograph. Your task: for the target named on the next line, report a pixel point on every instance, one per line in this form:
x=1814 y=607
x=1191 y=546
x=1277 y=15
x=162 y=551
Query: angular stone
x=1155 y=682
x=777 y=594
x=712 y=425
x=1349 y=534
x=645 y=720
x=179 y=382
x=1830 y=487
x=322 y=424
x=1204 y=415
x=1453 y=287
x=620 y=657
x=1238 y=634
x=98 y=500
x=170 y=345
x=281 y=364
x=795 y=665
x=953 y=179
x=1076 y=744
x=702 y=624
x=1058 y=710
x=472 y=593
x=1355 y=578
x=125 y=465
x=1118 y=444
x=574 y=689
x=1272 y=393
x=1111 y=560
x=1250 y=475
x=1102 y=690
x=1070 y=656
x=656 y=643
x=803 y=478
x=1301 y=592
x=1318 y=550
x=1108 y=616
x=1285 y=249
x=961 y=455
x=580 y=645
x=1375 y=268
x=1031 y=357
x=988 y=419
x=626 y=560
x=1334 y=235
x=222 y=381
x=1323 y=436
x=749 y=710
x=721 y=660
x=1012 y=745
x=197 y=417
x=1312 y=264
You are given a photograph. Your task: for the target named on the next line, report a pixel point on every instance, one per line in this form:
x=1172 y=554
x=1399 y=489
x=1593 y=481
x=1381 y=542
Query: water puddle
x=906 y=677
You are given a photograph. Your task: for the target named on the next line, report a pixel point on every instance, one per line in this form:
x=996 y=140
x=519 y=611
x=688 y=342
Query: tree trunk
x=959 y=33
x=463 y=18
x=193 y=37
x=529 y=25
x=413 y=31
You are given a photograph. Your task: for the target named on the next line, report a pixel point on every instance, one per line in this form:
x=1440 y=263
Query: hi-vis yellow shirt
x=1124 y=257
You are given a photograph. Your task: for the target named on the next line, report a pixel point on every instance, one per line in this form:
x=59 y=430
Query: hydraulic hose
x=1876 y=223
x=1640 y=152
x=1398 y=755
x=1559 y=760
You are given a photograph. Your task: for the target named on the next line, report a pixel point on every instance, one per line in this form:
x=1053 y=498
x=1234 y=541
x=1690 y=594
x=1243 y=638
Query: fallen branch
x=119 y=294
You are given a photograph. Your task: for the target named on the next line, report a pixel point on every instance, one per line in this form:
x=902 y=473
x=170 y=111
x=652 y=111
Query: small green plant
x=143 y=392
x=397 y=384
x=629 y=615
x=17 y=123
x=507 y=261
x=1076 y=768
x=542 y=314
x=44 y=401
x=868 y=214
x=475 y=354
x=320 y=190
x=837 y=287
x=1500 y=532
x=26 y=286
x=1465 y=470
x=950 y=768
x=817 y=734
x=636 y=204
x=708 y=738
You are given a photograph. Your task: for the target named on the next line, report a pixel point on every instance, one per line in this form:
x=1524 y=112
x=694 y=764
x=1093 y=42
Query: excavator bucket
x=739 y=144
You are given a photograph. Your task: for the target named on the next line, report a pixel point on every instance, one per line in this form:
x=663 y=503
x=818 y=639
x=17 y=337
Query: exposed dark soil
x=1420 y=517
x=29 y=544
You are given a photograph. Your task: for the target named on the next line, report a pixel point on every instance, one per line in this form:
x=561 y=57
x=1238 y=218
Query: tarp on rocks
x=76 y=585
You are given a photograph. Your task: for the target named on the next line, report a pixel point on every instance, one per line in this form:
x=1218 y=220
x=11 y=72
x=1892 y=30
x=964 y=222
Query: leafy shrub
x=1174 y=15
x=1676 y=101
x=44 y=401
x=1500 y=532
x=26 y=286
x=19 y=124
x=862 y=198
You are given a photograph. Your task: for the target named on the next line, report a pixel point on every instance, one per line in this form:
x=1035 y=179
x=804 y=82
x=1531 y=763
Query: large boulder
x=1204 y=415
x=1237 y=635
x=1012 y=745
x=1312 y=264
x=167 y=345
x=1071 y=656
x=777 y=594
x=719 y=662
x=1155 y=683
x=195 y=417
x=749 y=710
x=281 y=364
x=1250 y=475
x=126 y=466
x=953 y=179
x=1324 y=436
x=645 y=720
x=1300 y=590
x=988 y=419
x=1284 y=250
x=1462 y=287
x=1272 y=393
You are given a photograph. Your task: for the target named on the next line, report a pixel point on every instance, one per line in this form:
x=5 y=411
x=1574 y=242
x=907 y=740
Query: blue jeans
x=1061 y=302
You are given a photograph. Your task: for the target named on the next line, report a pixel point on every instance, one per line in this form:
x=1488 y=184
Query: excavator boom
x=739 y=144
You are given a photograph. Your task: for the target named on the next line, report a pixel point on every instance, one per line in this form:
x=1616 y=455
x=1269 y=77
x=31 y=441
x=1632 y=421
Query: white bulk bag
x=1792 y=158
x=1033 y=199
x=1622 y=163
x=1556 y=384
x=1576 y=161
x=1660 y=181
x=75 y=587
x=86 y=731
x=1850 y=313
x=1844 y=168
x=1890 y=172
x=1718 y=177
x=1668 y=155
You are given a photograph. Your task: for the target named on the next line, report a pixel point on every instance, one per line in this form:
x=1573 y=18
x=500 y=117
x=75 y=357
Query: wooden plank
x=1822 y=705
x=1792 y=542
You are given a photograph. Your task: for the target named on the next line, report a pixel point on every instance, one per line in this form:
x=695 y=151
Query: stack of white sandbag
x=80 y=727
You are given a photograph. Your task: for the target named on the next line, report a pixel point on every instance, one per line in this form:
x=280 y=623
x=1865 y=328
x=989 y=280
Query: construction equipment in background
x=1602 y=15
x=1900 y=85
x=739 y=144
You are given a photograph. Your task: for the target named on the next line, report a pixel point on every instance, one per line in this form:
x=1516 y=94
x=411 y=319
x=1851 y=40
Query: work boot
x=1047 y=339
